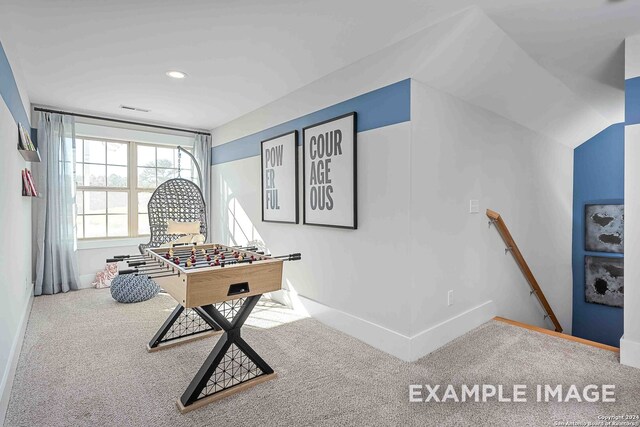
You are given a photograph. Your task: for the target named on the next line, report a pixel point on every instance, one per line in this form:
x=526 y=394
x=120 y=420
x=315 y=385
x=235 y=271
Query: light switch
x=474 y=206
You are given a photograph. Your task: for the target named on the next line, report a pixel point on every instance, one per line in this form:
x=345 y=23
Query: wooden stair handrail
x=497 y=220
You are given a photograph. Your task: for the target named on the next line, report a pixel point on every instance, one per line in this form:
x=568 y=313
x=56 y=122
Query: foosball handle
x=114 y=259
x=136 y=263
x=129 y=271
x=122 y=256
x=295 y=257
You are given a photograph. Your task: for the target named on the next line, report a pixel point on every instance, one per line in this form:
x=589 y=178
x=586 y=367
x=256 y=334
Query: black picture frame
x=296 y=186
x=598 y=245
x=611 y=274
x=354 y=226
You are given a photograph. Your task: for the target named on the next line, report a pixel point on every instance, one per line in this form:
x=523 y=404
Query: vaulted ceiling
x=96 y=55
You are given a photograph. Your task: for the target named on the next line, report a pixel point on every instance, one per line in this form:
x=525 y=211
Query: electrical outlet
x=474 y=206
x=450 y=298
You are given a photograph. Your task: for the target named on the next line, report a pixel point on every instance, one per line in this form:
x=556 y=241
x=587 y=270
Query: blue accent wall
x=382 y=107
x=632 y=101
x=9 y=91
x=598 y=177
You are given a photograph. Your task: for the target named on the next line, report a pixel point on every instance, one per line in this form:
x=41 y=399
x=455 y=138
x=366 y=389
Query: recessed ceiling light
x=176 y=74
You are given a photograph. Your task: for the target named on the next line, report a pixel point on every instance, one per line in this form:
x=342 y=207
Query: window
x=115 y=180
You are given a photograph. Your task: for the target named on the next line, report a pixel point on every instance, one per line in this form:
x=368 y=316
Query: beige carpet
x=84 y=363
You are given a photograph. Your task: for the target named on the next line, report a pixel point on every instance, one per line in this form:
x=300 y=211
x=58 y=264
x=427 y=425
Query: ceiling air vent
x=127 y=107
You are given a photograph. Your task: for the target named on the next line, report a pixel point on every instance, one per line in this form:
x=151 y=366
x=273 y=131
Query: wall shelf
x=28 y=184
x=30 y=155
x=26 y=147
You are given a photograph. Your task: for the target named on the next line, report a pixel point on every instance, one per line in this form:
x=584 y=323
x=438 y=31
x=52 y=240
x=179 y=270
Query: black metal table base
x=232 y=364
x=183 y=325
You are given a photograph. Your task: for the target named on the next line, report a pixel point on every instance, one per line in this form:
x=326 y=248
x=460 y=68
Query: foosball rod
x=141 y=263
x=200 y=248
x=157 y=277
x=131 y=256
x=138 y=271
x=167 y=264
x=186 y=255
x=117 y=258
x=217 y=245
x=150 y=262
x=207 y=251
x=150 y=274
x=153 y=267
x=212 y=251
x=206 y=258
x=146 y=256
x=121 y=258
x=146 y=268
x=247 y=259
x=232 y=261
x=156 y=263
x=202 y=257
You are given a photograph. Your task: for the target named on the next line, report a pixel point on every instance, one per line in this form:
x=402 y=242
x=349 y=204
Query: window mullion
x=133 y=190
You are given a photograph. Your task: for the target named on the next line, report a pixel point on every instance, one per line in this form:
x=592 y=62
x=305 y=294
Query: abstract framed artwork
x=604 y=280
x=279 y=160
x=604 y=228
x=329 y=171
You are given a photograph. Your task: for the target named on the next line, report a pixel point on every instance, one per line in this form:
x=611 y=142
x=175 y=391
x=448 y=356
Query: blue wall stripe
x=382 y=107
x=9 y=91
x=632 y=101
x=598 y=177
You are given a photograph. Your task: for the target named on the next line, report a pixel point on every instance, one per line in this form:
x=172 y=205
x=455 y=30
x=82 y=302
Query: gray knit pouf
x=129 y=288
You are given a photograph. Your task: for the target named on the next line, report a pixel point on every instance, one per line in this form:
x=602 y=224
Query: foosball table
x=216 y=287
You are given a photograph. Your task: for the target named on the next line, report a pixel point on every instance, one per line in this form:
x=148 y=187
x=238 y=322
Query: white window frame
x=132 y=189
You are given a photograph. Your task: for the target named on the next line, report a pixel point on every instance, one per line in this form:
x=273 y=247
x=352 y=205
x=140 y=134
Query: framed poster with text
x=329 y=166
x=279 y=160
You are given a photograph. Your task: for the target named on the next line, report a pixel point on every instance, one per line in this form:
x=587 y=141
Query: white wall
x=339 y=267
x=92 y=256
x=461 y=152
x=16 y=288
x=632 y=57
x=630 y=342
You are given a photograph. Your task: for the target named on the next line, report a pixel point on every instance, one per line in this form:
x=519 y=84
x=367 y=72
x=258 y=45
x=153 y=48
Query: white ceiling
x=95 y=55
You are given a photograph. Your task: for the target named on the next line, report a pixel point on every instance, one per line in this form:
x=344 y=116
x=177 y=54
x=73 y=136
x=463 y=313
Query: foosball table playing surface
x=216 y=287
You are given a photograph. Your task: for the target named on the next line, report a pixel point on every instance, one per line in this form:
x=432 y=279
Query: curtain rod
x=128 y=122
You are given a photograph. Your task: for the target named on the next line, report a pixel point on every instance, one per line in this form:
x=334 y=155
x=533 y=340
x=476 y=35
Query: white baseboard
x=86 y=281
x=401 y=346
x=630 y=353
x=438 y=335
x=12 y=362
x=376 y=336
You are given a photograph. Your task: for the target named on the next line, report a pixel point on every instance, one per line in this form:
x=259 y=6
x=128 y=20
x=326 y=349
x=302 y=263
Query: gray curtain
x=202 y=153
x=54 y=234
